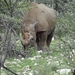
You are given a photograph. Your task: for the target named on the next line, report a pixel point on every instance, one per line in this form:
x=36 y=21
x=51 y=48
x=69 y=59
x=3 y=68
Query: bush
x=65 y=31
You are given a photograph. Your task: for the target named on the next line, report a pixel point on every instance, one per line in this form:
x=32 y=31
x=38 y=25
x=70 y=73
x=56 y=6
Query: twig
x=9 y=70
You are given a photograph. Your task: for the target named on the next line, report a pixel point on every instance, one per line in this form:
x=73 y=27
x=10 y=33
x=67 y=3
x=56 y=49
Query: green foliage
x=24 y=5
x=65 y=24
x=65 y=31
x=32 y=51
x=8 y=19
x=47 y=65
x=62 y=48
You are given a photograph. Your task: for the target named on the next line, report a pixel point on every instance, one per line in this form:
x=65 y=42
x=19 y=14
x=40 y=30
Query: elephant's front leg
x=42 y=42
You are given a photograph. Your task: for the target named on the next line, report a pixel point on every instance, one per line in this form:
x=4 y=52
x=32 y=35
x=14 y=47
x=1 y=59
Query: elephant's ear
x=34 y=24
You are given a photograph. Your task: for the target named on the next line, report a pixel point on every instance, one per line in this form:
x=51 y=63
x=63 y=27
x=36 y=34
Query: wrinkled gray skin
x=38 y=27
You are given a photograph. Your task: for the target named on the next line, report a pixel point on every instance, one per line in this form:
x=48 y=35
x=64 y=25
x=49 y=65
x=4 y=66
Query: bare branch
x=6 y=3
